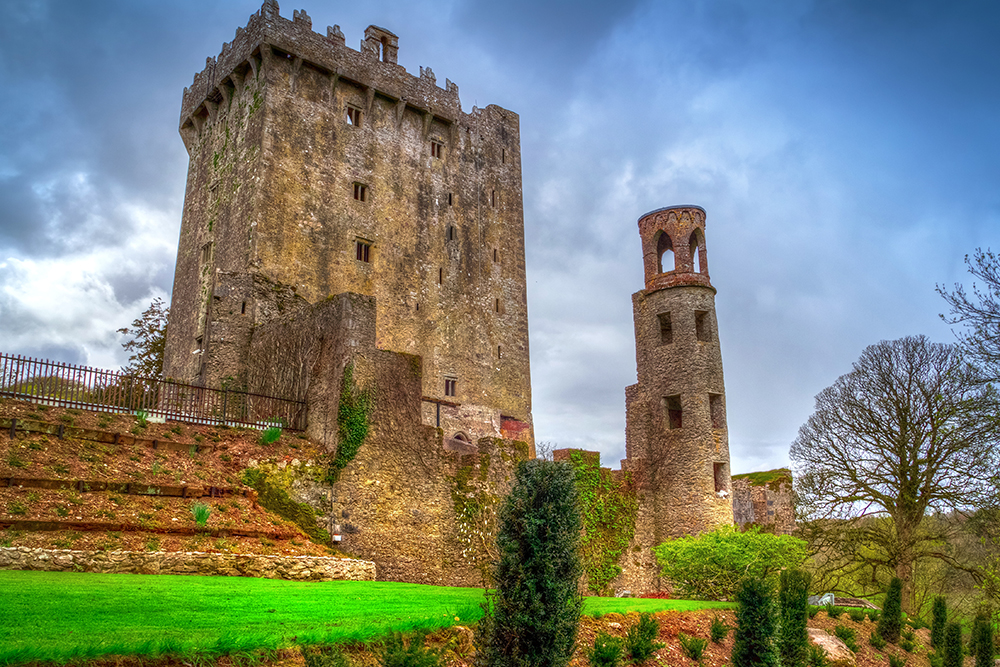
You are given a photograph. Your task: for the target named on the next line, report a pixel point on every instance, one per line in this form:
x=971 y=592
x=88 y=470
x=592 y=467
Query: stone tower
x=676 y=441
x=317 y=170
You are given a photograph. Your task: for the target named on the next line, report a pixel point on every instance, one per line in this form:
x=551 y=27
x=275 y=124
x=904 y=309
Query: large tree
x=978 y=311
x=910 y=431
x=147 y=340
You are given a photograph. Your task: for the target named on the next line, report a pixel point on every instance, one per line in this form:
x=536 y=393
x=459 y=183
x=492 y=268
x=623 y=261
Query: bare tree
x=908 y=432
x=978 y=311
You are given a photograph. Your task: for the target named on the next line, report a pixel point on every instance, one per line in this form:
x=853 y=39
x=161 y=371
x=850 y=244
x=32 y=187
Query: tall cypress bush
x=953 y=656
x=531 y=618
x=890 y=622
x=756 y=626
x=939 y=618
x=793 y=600
x=982 y=641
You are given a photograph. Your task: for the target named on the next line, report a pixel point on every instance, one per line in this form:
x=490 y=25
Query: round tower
x=676 y=436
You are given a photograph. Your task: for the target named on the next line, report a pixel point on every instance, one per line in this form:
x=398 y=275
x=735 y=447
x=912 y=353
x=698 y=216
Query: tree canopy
x=908 y=432
x=147 y=339
x=978 y=311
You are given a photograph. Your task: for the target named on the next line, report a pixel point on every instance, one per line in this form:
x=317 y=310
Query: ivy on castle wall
x=609 y=510
x=475 y=506
x=353 y=414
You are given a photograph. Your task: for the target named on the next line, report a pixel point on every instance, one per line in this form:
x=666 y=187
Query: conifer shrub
x=756 y=626
x=607 y=651
x=953 y=655
x=856 y=615
x=982 y=641
x=531 y=617
x=876 y=641
x=640 y=642
x=400 y=653
x=793 y=601
x=817 y=656
x=896 y=661
x=846 y=635
x=693 y=647
x=719 y=630
x=891 y=620
x=939 y=618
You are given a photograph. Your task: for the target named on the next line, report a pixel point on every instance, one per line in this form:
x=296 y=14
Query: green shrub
x=813 y=610
x=270 y=435
x=793 y=603
x=200 y=511
x=953 y=645
x=936 y=659
x=833 y=612
x=896 y=661
x=982 y=641
x=916 y=623
x=325 y=656
x=719 y=630
x=531 y=616
x=756 y=626
x=939 y=618
x=640 y=642
x=907 y=634
x=817 y=656
x=607 y=651
x=890 y=622
x=876 y=641
x=847 y=635
x=693 y=647
x=856 y=615
x=874 y=614
x=712 y=565
x=906 y=645
x=397 y=653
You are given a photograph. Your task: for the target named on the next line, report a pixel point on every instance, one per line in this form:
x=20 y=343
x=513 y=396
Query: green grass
x=62 y=615
x=768 y=477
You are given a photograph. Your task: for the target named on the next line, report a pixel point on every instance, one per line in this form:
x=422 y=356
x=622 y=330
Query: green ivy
x=609 y=510
x=275 y=499
x=352 y=423
x=475 y=515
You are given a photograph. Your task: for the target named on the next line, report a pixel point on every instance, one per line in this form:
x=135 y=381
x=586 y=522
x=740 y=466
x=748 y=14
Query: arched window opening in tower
x=672 y=406
x=461 y=436
x=698 y=262
x=702 y=326
x=664 y=253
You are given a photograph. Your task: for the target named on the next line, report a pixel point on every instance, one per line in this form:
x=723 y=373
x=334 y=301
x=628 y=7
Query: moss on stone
x=271 y=487
x=772 y=479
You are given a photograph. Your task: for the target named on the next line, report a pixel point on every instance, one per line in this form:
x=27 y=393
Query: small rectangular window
x=437 y=149
x=352 y=115
x=503 y=155
x=718 y=411
x=666 y=328
x=721 y=473
x=363 y=250
x=498 y=351
x=440 y=276
x=449 y=199
x=702 y=326
x=496 y=305
x=361 y=192
x=206 y=253
x=493 y=197
x=496 y=255
x=450 y=386
x=450 y=235
x=672 y=406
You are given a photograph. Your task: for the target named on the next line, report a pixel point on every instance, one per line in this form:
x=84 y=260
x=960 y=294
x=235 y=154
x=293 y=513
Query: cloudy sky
x=847 y=154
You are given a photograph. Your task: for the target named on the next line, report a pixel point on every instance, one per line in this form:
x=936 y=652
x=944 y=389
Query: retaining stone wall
x=297 y=568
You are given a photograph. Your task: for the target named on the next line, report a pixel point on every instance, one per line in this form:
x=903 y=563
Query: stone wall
x=766 y=500
x=296 y=568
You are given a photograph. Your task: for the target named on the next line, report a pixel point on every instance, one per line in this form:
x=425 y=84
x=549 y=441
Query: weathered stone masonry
x=317 y=170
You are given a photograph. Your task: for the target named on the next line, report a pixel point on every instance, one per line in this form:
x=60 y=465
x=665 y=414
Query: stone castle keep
x=341 y=213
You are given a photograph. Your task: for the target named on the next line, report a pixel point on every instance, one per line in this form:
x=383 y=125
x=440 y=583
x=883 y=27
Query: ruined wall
x=766 y=500
x=322 y=170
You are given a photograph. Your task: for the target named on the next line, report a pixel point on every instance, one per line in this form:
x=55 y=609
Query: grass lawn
x=61 y=615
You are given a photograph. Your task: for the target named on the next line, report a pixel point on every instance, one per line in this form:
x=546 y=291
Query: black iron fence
x=68 y=385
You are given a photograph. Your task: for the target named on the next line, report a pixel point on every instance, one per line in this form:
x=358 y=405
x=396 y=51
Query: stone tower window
x=665 y=253
x=451 y=234
x=702 y=326
x=721 y=473
x=440 y=276
x=361 y=192
x=493 y=197
x=450 y=386
x=207 y=253
x=496 y=305
x=437 y=149
x=496 y=255
x=352 y=115
x=666 y=328
x=503 y=156
x=717 y=410
x=363 y=250
x=498 y=351
x=449 y=199
x=672 y=405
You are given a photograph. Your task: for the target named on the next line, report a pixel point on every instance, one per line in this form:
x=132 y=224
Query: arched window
x=698 y=261
x=461 y=436
x=665 y=253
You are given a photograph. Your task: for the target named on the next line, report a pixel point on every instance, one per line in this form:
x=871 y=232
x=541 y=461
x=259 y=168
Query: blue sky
x=847 y=154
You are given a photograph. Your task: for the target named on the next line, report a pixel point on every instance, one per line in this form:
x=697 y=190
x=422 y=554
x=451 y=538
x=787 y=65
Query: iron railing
x=67 y=385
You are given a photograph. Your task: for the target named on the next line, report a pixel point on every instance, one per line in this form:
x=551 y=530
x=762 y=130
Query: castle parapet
x=373 y=66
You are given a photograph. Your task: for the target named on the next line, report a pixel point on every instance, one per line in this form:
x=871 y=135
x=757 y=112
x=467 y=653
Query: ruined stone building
x=317 y=170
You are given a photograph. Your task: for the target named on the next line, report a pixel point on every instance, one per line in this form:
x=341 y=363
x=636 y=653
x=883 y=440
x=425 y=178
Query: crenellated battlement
x=374 y=66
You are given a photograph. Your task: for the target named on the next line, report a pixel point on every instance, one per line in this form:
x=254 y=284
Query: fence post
x=225 y=402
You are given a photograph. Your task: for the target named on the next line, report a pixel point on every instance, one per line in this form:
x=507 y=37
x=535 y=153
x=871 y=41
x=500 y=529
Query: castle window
x=702 y=326
x=496 y=255
x=493 y=197
x=352 y=115
x=450 y=235
x=496 y=305
x=361 y=192
x=207 y=253
x=437 y=149
x=440 y=276
x=363 y=250
x=449 y=199
x=498 y=351
x=666 y=328
x=718 y=411
x=450 y=386
x=243 y=308
x=721 y=473
x=665 y=253
x=672 y=406
x=503 y=155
